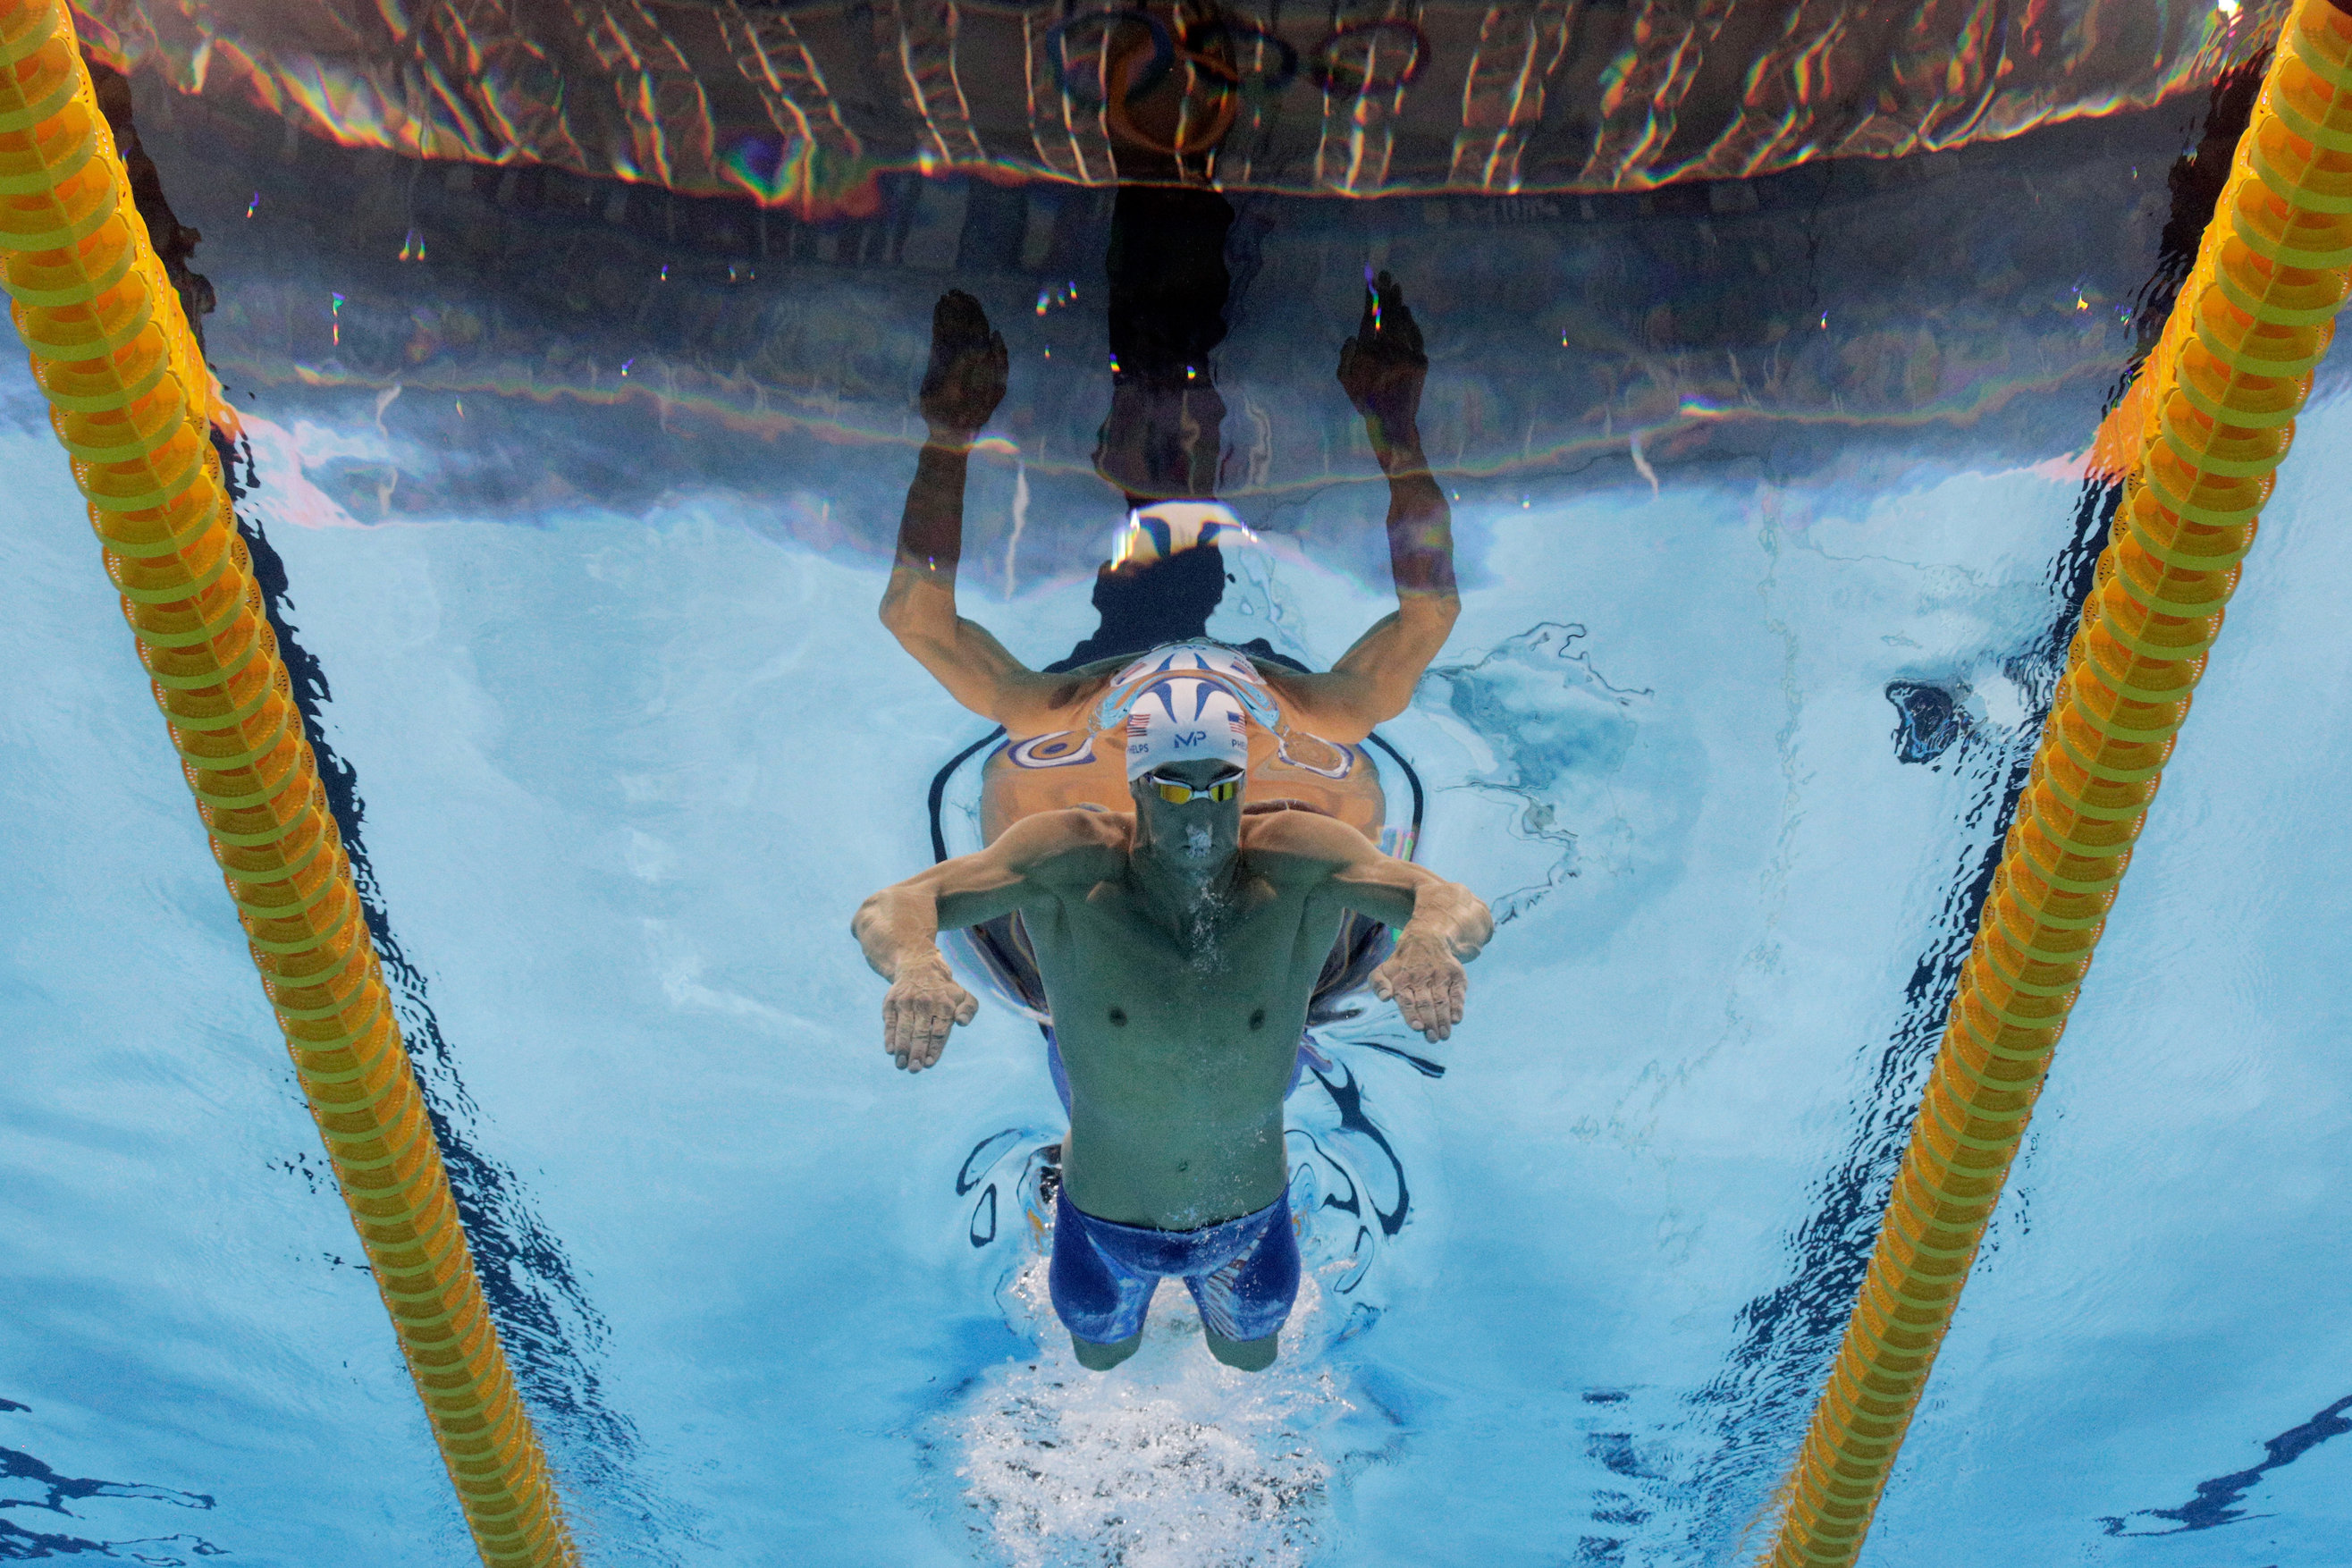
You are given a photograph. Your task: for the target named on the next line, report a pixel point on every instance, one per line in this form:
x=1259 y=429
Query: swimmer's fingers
x=1395 y=982
x=1403 y=333
x=1357 y=351
x=1447 y=999
x=898 y=1027
x=915 y=1018
x=1399 y=331
x=966 y=378
x=1383 y=367
x=1420 y=1015
x=999 y=367
x=1432 y=1014
x=920 y=1035
x=957 y=319
x=1427 y=989
x=956 y=1006
x=949 y=1005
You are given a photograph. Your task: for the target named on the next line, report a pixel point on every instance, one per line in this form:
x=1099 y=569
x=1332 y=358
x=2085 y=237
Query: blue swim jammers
x=1243 y=1273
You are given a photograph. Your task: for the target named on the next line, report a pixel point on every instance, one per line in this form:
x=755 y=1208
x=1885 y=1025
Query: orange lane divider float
x=131 y=400
x=2223 y=389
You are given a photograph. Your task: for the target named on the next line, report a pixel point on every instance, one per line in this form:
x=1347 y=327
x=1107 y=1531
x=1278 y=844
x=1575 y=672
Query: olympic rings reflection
x=1163 y=53
x=1212 y=47
x=1327 y=73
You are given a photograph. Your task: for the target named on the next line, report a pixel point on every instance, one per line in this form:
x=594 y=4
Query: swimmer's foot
x=1102 y=1358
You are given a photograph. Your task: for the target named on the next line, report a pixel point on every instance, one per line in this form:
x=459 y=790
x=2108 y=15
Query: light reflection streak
x=710 y=98
x=685 y=403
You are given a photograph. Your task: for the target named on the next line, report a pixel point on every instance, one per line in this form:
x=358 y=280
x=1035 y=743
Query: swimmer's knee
x=1246 y=1355
x=1101 y=1357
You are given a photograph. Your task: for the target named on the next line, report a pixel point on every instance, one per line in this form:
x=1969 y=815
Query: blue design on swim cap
x=1231 y=671
x=1181 y=717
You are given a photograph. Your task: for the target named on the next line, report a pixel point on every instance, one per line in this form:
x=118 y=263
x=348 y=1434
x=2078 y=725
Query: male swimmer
x=1178 y=944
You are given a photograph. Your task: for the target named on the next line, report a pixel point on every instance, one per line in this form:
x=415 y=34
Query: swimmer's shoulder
x=1315 y=701
x=1072 y=688
x=1048 y=703
x=1301 y=845
x=1074 y=846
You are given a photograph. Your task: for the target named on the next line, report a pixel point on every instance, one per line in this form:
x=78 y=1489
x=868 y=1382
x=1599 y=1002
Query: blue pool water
x=1724 y=745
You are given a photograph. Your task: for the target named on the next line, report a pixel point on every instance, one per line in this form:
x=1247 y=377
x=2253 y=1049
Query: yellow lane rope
x=2221 y=392
x=132 y=401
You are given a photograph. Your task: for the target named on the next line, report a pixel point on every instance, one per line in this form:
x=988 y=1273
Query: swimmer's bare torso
x=1178 y=998
x=1179 y=1024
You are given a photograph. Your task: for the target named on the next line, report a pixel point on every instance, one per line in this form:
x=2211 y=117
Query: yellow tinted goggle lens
x=1180 y=794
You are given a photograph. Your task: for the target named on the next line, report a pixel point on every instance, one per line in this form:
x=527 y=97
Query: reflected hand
x=923 y=1005
x=966 y=378
x=1426 y=981
x=1383 y=367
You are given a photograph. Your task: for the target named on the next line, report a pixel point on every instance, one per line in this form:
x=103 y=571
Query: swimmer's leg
x=1102 y=1304
x=1249 y=1356
x=1244 y=1303
x=1102 y=1358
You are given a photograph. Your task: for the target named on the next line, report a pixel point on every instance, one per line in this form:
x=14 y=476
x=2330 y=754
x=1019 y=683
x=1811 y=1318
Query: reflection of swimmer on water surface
x=1181 y=836
x=1160 y=447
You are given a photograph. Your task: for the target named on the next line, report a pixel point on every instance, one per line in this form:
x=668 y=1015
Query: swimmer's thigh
x=1251 y=1297
x=1096 y=1299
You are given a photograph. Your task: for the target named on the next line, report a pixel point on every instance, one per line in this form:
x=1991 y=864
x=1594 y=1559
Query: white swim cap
x=1182 y=719
x=1169 y=528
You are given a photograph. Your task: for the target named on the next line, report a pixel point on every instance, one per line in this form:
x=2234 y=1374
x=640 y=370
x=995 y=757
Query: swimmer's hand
x=1426 y=981
x=966 y=378
x=923 y=1005
x=1383 y=367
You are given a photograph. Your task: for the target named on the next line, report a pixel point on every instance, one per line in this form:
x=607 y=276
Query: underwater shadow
x=2216 y=1502
x=19 y=1545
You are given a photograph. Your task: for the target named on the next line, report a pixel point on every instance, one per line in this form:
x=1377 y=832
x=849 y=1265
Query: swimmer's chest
x=1117 y=975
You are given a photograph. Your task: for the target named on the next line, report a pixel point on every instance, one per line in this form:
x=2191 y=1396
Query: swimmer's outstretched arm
x=1440 y=925
x=898 y=927
x=960 y=391
x=1382 y=369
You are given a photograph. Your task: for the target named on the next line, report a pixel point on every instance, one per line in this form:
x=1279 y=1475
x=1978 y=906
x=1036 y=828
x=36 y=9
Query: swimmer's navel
x=1119 y=1016
x=1257 y=1020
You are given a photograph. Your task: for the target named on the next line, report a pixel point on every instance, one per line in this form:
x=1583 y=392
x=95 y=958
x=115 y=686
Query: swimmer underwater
x=1178 y=942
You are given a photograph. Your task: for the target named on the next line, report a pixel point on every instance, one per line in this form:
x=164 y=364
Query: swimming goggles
x=1176 y=792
